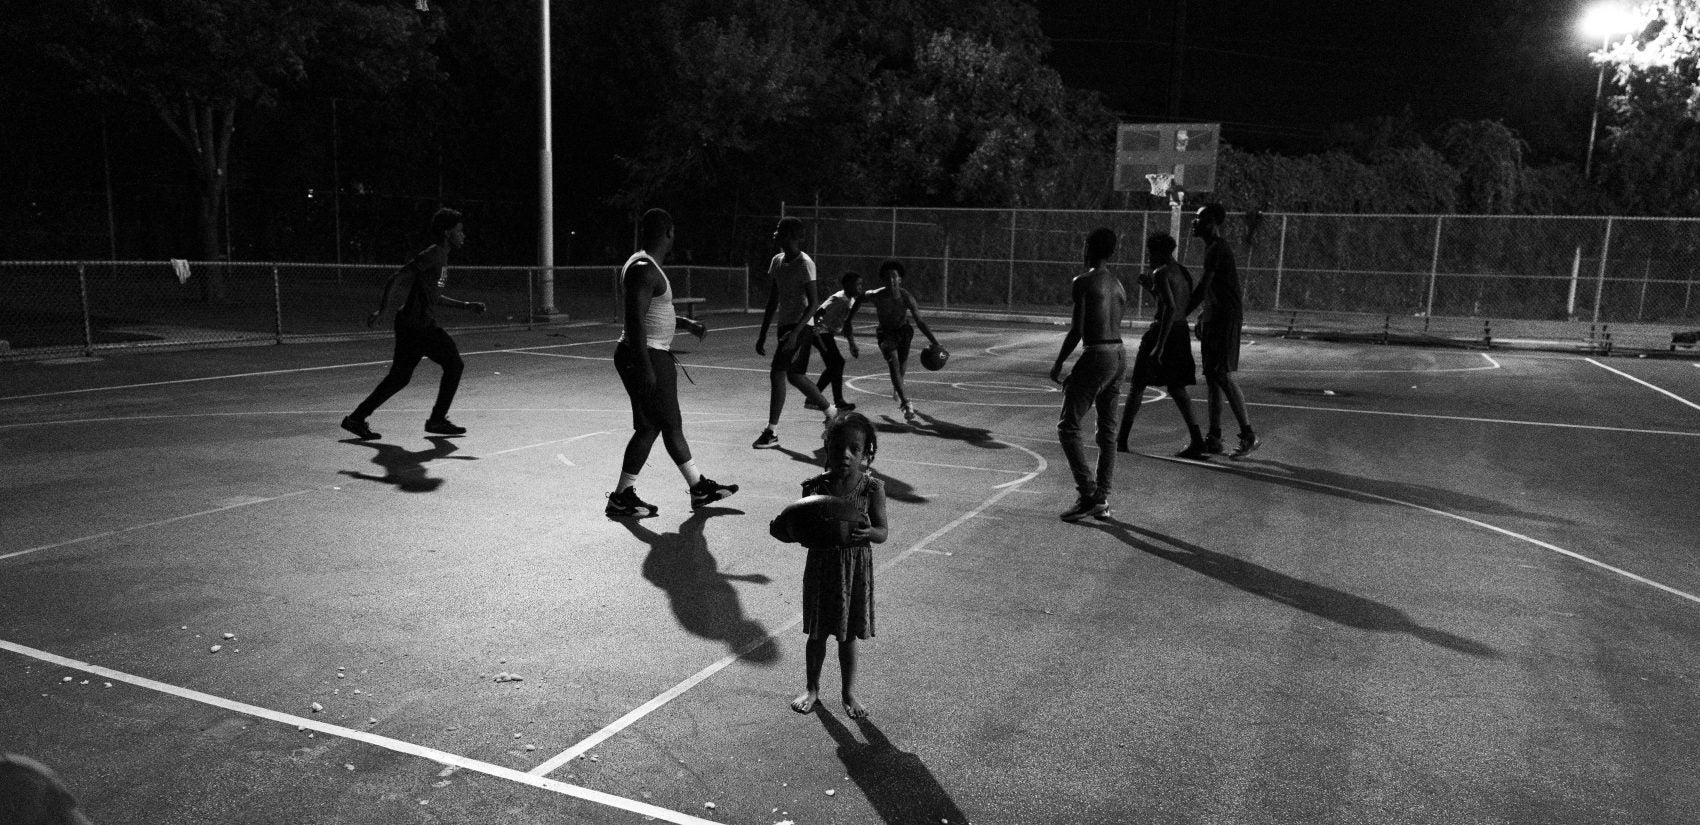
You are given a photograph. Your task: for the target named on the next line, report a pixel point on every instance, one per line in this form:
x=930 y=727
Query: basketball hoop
x=1160 y=183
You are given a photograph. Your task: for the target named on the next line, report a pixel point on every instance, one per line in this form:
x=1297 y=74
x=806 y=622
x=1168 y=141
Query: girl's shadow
x=897 y=783
x=701 y=596
x=406 y=468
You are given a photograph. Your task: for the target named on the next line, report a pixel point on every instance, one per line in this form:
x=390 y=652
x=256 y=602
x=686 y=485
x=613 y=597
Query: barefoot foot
x=854 y=709
x=805 y=701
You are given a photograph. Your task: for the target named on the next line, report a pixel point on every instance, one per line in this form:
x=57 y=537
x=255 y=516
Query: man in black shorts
x=1165 y=351
x=416 y=332
x=644 y=359
x=792 y=297
x=1219 y=326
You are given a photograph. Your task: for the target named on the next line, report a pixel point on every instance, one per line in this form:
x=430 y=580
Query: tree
x=196 y=64
x=1653 y=149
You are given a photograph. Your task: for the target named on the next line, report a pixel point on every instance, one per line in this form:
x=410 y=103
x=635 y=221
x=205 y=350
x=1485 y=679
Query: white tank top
x=658 y=323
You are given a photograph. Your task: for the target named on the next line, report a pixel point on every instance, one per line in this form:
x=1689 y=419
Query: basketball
x=935 y=357
x=816 y=521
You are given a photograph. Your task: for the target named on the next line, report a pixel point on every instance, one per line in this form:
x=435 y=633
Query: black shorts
x=1219 y=345
x=794 y=359
x=1176 y=369
x=658 y=408
x=895 y=341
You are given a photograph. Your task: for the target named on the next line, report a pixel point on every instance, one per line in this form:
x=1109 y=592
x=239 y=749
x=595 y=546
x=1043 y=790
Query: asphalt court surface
x=1453 y=586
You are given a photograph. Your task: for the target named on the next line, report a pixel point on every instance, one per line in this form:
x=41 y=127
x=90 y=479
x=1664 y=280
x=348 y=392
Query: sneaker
x=1197 y=451
x=707 y=491
x=1248 y=442
x=810 y=403
x=845 y=406
x=443 y=426
x=767 y=441
x=910 y=415
x=1086 y=506
x=1213 y=443
x=358 y=427
x=626 y=504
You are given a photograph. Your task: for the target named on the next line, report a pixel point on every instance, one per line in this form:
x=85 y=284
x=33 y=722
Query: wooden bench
x=689 y=304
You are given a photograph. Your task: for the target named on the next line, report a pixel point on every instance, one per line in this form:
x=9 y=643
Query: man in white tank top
x=644 y=359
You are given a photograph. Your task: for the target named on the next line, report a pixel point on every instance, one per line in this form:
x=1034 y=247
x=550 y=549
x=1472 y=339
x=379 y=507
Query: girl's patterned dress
x=838 y=582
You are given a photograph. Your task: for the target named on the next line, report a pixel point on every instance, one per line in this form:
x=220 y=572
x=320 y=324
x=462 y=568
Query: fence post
x=1433 y=270
x=88 y=323
x=1144 y=232
x=1280 y=262
x=531 y=278
x=1646 y=275
x=1009 y=281
x=893 y=233
x=944 y=296
x=277 y=302
x=1600 y=285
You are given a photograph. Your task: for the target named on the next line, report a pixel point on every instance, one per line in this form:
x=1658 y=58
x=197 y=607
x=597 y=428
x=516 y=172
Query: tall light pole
x=546 y=183
x=1603 y=21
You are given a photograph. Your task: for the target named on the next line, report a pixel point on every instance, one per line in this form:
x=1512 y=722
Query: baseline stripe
x=1454 y=516
x=385 y=742
x=674 y=692
x=1643 y=383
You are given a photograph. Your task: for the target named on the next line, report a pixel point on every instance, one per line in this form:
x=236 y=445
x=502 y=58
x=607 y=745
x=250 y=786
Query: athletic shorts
x=795 y=360
x=657 y=409
x=1219 y=345
x=1176 y=368
x=895 y=341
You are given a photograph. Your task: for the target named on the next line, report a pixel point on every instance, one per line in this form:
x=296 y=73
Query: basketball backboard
x=1185 y=150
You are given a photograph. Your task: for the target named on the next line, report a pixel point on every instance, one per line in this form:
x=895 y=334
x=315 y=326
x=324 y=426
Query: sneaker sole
x=773 y=445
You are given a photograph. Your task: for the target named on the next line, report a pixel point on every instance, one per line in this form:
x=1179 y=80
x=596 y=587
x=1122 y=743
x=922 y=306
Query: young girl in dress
x=838 y=582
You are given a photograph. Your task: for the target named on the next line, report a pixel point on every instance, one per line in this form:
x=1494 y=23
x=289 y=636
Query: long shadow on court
x=978 y=436
x=896 y=489
x=1354 y=488
x=897 y=783
x=701 y=596
x=406 y=468
x=1336 y=606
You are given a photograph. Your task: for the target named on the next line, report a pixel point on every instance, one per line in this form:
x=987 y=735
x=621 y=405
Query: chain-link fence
x=51 y=307
x=1392 y=270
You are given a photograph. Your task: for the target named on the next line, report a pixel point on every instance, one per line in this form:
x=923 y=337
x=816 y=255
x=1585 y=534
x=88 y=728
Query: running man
x=1165 y=351
x=791 y=294
x=645 y=361
x=416 y=332
x=895 y=306
x=1095 y=381
x=831 y=318
x=1219 y=325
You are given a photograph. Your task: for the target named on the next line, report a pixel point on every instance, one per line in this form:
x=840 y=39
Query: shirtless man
x=1165 y=352
x=1095 y=382
x=791 y=294
x=895 y=306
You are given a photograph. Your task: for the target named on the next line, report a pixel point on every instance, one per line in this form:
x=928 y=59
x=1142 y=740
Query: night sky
x=1278 y=75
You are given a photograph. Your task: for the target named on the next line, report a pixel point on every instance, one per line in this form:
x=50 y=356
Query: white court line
x=1472 y=419
x=385 y=742
x=1466 y=519
x=173 y=519
x=278 y=372
x=1643 y=383
x=688 y=366
x=674 y=692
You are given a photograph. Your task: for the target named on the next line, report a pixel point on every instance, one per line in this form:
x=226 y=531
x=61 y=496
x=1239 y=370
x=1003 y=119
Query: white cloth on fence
x=181 y=267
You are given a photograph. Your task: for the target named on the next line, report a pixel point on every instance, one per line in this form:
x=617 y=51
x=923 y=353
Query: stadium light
x=1603 y=21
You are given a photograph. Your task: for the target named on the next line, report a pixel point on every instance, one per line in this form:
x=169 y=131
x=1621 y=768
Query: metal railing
x=69 y=307
x=1588 y=270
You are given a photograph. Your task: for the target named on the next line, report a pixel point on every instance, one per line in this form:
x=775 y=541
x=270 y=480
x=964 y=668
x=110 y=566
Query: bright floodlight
x=1605 y=19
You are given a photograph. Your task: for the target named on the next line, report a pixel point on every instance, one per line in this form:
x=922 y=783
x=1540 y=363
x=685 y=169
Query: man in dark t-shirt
x=1220 y=319
x=417 y=335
